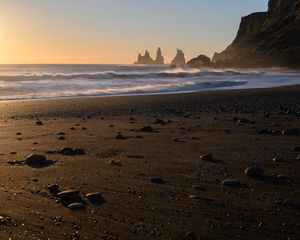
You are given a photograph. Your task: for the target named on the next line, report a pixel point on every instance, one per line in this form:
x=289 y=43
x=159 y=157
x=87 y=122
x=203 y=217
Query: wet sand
x=163 y=137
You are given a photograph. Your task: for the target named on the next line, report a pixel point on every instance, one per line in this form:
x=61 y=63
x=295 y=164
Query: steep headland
x=266 y=39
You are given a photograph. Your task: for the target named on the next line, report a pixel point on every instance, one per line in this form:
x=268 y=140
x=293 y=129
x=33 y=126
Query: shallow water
x=61 y=81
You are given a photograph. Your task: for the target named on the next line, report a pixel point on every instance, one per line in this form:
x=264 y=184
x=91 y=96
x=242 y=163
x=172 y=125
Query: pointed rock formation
x=266 y=39
x=146 y=59
x=159 y=58
x=179 y=59
x=200 y=61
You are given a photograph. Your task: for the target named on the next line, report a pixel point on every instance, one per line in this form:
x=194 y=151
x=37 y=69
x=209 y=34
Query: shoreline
x=152 y=103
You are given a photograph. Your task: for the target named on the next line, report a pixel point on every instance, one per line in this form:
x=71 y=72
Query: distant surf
x=20 y=82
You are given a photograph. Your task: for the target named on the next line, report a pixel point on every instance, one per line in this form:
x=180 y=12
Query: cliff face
x=266 y=39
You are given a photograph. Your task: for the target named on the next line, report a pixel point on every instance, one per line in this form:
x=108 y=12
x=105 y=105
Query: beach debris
x=146 y=129
x=254 y=172
x=207 y=157
x=156 y=179
x=76 y=206
x=232 y=183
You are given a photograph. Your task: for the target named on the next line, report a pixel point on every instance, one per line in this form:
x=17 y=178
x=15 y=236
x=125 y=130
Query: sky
x=115 y=31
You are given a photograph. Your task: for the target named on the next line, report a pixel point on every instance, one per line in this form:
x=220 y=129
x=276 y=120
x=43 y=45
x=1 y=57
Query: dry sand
x=183 y=127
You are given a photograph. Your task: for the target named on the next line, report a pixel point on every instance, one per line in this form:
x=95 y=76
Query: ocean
x=21 y=82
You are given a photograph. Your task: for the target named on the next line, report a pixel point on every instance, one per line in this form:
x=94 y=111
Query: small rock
x=68 y=194
x=146 y=129
x=76 y=206
x=120 y=136
x=284 y=179
x=156 y=179
x=39 y=122
x=95 y=198
x=254 y=172
x=198 y=187
x=298 y=158
x=207 y=157
x=232 y=183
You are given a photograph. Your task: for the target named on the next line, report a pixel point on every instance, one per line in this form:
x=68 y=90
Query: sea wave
x=172 y=73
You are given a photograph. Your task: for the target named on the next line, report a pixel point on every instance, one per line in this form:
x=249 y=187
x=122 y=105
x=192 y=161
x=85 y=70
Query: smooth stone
x=254 y=172
x=292 y=131
x=68 y=194
x=298 y=157
x=35 y=159
x=146 y=129
x=207 y=157
x=232 y=183
x=76 y=206
x=156 y=179
x=284 y=179
x=95 y=198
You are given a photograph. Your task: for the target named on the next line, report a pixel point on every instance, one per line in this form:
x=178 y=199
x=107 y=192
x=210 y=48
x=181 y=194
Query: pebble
x=146 y=129
x=120 y=136
x=254 y=172
x=284 y=179
x=76 y=206
x=95 y=198
x=207 y=157
x=198 y=187
x=298 y=158
x=67 y=194
x=39 y=122
x=232 y=183
x=156 y=179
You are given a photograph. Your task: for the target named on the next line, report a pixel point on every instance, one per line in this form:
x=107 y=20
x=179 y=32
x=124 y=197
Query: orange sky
x=115 y=31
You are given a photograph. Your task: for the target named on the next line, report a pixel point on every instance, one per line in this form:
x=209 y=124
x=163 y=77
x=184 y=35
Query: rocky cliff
x=266 y=39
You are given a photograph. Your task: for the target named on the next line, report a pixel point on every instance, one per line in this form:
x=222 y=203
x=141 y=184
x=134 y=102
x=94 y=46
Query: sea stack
x=159 y=58
x=179 y=59
x=200 y=61
x=147 y=59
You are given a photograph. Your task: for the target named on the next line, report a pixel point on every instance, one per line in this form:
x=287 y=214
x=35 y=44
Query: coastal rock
x=159 y=60
x=200 y=61
x=35 y=160
x=266 y=39
x=179 y=59
x=146 y=59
